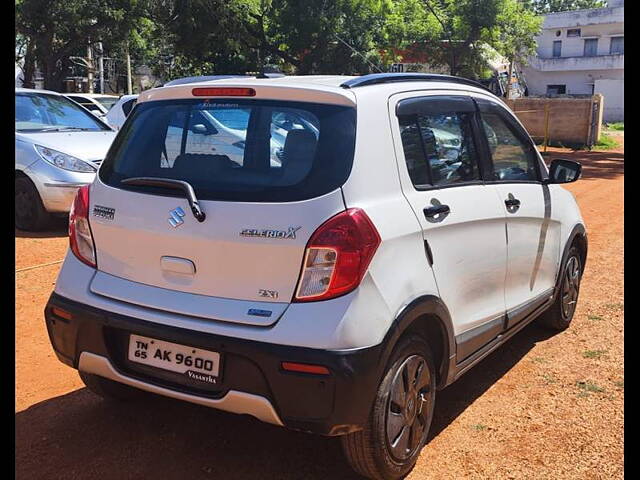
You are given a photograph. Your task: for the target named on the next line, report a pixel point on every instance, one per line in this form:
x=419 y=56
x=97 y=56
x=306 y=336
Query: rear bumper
x=252 y=381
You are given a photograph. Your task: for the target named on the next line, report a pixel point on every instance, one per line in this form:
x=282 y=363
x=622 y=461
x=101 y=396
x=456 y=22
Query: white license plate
x=193 y=363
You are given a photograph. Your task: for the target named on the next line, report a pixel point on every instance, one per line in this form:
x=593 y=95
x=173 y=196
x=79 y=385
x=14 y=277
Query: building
x=581 y=52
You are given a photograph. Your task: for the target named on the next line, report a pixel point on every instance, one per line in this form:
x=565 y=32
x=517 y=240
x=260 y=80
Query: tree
x=318 y=36
x=517 y=28
x=59 y=29
x=542 y=7
x=464 y=26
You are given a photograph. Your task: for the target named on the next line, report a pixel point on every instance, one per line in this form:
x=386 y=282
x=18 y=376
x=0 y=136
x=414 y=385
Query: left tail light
x=337 y=256
x=80 y=237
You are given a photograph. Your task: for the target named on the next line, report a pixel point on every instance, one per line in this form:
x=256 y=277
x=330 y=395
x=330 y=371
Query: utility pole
x=101 y=67
x=90 y=67
x=129 y=89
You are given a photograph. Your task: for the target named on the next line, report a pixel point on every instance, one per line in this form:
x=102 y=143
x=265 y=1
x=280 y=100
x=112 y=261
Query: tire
x=377 y=451
x=108 y=389
x=559 y=315
x=30 y=214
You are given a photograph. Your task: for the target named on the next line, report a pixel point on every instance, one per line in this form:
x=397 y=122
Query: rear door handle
x=434 y=210
x=512 y=202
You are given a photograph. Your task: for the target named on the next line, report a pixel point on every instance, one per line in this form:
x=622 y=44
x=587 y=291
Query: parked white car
x=119 y=112
x=408 y=228
x=59 y=147
x=97 y=103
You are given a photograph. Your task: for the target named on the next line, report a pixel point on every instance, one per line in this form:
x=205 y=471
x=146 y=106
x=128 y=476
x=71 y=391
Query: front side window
x=51 y=113
x=513 y=158
x=557 y=48
x=439 y=148
x=573 y=32
x=258 y=150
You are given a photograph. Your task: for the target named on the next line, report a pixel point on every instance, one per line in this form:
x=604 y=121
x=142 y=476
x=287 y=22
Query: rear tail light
x=337 y=256
x=80 y=238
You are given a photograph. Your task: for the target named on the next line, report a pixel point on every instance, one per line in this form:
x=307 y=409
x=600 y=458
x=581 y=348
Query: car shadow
x=595 y=165
x=58 y=228
x=78 y=435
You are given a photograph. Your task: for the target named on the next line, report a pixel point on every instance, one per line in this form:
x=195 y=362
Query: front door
x=533 y=237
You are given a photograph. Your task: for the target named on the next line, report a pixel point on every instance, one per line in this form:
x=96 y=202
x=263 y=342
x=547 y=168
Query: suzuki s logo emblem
x=176 y=217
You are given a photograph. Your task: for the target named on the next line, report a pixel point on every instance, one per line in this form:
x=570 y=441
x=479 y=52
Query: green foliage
x=618 y=126
x=516 y=31
x=606 y=142
x=194 y=37
x=593 y=353
x=542 y=7
x=58 y=29
x=588 y=386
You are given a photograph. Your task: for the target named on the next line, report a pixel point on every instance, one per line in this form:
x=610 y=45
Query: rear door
x=259 y=213
x=462 y=219
x=533 y=235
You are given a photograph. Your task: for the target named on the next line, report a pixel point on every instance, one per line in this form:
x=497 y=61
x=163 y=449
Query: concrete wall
x=581 y=75
x=577 y=82
x=613 y=92
x=569 y=118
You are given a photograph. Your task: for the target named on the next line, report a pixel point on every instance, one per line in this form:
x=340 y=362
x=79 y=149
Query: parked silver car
x=59 y=147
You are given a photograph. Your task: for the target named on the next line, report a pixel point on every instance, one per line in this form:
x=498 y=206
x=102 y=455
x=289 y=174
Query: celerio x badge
x=268 y=233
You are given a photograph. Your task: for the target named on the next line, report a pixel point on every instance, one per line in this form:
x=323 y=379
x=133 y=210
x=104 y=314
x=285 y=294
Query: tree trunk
x=29 y=68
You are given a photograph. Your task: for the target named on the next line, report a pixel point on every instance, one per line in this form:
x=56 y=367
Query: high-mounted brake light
x=223 y=92
x=80 y=238
x=337 y=256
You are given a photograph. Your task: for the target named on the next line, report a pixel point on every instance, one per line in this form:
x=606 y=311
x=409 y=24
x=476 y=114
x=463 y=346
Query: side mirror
x=564 y=171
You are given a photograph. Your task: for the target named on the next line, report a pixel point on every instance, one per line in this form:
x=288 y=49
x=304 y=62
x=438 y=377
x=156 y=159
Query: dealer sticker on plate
x=194 y=363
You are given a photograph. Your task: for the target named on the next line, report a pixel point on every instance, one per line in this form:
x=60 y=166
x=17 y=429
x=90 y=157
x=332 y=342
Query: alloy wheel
x=408 y=407
x=570 y=287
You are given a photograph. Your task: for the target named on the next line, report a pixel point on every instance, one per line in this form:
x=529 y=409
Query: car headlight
x=64 y=161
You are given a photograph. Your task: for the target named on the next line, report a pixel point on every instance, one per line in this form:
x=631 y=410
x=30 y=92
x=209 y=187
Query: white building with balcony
x=582 y=52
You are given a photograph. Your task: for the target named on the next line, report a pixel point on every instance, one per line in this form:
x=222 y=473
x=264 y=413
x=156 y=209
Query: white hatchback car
x=408 y=228
x=119 y=112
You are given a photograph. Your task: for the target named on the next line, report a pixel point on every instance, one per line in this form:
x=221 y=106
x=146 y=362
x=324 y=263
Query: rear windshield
x=243 y=150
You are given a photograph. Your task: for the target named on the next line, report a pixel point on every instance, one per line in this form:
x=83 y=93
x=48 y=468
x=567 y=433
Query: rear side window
x=439 y=148
x=248 y=150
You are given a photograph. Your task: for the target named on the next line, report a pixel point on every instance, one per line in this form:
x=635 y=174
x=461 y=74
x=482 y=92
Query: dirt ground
x=540 y=407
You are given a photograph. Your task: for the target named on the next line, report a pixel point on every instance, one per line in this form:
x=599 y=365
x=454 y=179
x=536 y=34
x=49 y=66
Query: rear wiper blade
x=171 y=183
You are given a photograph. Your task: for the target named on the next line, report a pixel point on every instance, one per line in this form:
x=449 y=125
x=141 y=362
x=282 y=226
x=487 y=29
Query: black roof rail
x=270 y=75
x=376 y=78
x=201 y=78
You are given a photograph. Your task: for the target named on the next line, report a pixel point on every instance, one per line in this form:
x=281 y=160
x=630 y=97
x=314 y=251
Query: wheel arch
x=427 y=316
x=577 y=237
